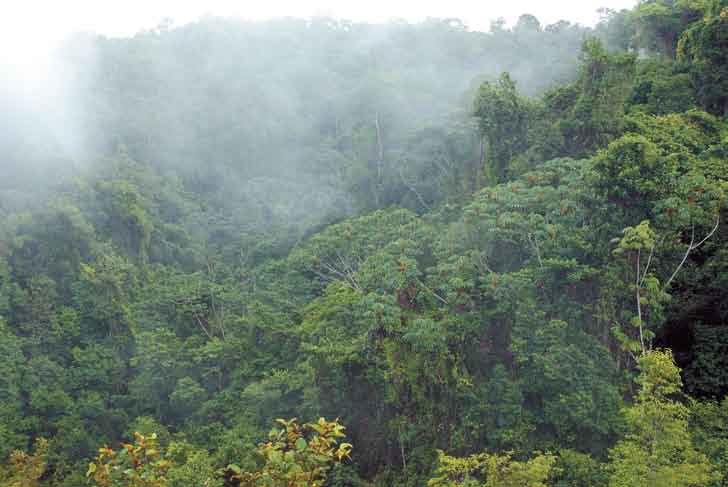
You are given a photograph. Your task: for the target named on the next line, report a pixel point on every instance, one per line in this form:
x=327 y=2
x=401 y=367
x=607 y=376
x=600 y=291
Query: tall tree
x=658 y=449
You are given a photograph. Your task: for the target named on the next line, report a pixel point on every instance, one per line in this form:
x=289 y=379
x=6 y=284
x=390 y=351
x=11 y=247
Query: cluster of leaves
x=135 y=465
x=26 y=469
x=294 y=459
x=291 y=459
x=491 y=471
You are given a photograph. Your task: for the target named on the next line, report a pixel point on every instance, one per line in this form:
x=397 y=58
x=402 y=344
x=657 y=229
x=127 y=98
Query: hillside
x=497 y=258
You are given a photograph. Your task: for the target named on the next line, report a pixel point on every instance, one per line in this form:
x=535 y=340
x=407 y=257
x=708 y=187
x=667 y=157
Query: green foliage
x=140 y=464
x=637 y=244
x=296 y=459
x=146 y=463
x=660 y=22
x=705 y=46
x=658 y=449
x=442 y=260
x=576 y=469
x=661 y=87
x=631 y=169
x=503 y=118
x=11 y=404
x=26 y=469
x=707 y=428
x=705 y=376
x=603 y=86
x=192 y=466
x=488 y=470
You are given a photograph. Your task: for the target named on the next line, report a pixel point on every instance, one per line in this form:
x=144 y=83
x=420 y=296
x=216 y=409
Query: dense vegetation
x=497 y=258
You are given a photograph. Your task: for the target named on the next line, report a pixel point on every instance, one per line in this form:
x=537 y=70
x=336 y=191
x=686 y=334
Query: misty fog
x=307 y=252
x=279 y=114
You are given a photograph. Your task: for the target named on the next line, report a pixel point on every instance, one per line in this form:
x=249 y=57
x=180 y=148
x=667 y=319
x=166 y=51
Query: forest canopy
x=421 y=254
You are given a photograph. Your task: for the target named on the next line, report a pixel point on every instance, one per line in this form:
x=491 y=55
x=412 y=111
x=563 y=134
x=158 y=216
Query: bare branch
x=439 y=298
x=535 y=246
x=411 y=187
x=346 y=274
x=715 y=227
x=692 y=246
x=647 y=267
x=202 y=326
x=221 y=320
x=639 y=303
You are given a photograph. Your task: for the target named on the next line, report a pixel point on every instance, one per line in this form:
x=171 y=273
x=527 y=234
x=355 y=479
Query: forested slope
x=498 y=258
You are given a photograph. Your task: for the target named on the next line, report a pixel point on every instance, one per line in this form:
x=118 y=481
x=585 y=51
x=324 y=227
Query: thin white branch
x=439 y=298
x=692 y=246
x=639 y=303
x=715 y=227
x=533 y=242
x=647 y=267
x=204 y=328
x=411 y=187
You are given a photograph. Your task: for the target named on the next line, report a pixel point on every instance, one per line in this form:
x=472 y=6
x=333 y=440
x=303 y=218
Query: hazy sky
x=28 y=28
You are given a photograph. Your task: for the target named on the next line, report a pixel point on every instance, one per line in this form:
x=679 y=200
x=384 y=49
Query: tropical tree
x=658 y=449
